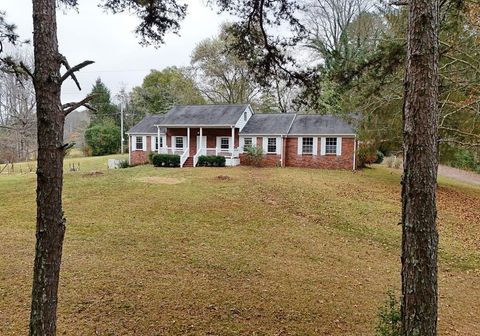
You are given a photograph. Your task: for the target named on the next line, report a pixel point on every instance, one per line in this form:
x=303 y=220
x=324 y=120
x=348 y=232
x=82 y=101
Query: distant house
x=287 y=140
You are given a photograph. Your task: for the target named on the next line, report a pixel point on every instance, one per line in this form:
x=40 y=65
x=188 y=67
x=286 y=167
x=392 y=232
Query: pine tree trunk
x=420 y=237
x=50 y=120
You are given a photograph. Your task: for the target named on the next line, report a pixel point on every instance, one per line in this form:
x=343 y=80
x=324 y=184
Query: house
x=287 y=140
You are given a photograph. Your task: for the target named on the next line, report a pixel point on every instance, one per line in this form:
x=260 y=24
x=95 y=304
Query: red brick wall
x=269 y=160
x=344 y=161
x=140 y=156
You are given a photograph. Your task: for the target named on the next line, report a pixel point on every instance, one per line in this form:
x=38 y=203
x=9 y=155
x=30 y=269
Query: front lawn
x=232 y=251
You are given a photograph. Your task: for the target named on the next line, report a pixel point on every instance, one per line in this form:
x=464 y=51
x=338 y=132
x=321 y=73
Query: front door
x=204 y=142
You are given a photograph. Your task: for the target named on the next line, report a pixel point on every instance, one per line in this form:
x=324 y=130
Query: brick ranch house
x=288 y=140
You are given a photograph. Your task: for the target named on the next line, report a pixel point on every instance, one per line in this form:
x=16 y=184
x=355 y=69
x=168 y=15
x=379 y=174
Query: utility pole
x=121 y=127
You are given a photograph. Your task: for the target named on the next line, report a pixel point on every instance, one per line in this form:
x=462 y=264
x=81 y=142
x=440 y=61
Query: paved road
x=458 y=174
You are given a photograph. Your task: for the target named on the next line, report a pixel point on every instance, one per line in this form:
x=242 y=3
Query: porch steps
x=189 y=162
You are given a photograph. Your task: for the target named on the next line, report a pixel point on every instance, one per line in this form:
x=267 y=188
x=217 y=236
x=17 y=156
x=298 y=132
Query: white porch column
x=201 y=139
x=188 y=139
x=232 y=143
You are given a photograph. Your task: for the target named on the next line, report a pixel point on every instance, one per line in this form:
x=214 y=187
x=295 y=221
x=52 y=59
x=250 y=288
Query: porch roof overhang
x=195 y=126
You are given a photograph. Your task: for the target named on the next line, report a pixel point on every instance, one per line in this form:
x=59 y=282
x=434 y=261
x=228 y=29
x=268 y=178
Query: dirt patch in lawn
x=161 y=180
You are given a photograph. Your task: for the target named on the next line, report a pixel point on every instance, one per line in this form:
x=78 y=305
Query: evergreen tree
x=104 y=110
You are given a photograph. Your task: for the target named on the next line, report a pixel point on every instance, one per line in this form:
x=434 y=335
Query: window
x=155 y=147
x=247 y=143
x=225 y=143
x=178 y=142
x=271 y=145
x=331 y=146
x=307 y=146
x=161 y=142
x=139 y=143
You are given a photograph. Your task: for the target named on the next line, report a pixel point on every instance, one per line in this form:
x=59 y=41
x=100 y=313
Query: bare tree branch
x=71 y=71
x=461 y=143
x=70 y=107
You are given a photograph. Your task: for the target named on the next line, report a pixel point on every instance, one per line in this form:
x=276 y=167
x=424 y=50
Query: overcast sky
x=109 y=41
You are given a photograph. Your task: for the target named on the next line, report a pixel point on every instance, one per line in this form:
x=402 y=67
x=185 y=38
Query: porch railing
x=184 y=156
x=200 y=152
x=171 y=150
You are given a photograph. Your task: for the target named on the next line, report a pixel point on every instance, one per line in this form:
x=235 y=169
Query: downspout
x=284 y=145
x=355 y=153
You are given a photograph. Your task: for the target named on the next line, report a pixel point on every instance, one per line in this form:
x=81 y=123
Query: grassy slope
x=266 y=252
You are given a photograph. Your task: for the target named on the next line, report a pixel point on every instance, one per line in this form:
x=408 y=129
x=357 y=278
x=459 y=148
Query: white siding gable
x=242 y=121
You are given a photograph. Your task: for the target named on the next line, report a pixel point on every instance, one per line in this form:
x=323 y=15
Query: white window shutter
x=185 y=145
x=300 y=145
x=279 y=145
x=133 y=140
x=315 y=146
x=265 y=145
x=152 y=143
x=144 y=140
x=339 y=146
x=254 y=141
x=219 y=142
x=322 y=146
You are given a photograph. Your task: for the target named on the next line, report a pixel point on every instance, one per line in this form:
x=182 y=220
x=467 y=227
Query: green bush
x=166 y=160
x=150 y=157
x=380 y=157
x=366 y=155
x=211 y=161
x=464 y=159
x=123 y=164
x=254 y=155
x=103 y=139
x=389 y=317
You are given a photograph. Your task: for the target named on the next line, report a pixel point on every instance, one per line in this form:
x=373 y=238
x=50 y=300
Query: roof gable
x=204 y=115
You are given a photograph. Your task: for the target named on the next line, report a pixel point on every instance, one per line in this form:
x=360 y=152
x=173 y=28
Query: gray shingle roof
x=274 y=124
x=147 y=125
x=204 y=115
x=320 y=124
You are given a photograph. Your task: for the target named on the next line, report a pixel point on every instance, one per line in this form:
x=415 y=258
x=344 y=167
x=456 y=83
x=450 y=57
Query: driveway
x=459 y=174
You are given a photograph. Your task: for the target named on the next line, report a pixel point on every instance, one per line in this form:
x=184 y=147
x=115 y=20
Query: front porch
x=191 y=143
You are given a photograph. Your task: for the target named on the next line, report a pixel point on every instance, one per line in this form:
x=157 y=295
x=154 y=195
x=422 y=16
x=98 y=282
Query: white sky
x=109 y=41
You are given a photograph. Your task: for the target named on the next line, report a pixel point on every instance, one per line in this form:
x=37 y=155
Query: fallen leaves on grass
x=161 y=180
x=93 y=174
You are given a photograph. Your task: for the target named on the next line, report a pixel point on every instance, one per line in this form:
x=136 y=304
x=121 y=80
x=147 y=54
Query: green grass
x=153 y=251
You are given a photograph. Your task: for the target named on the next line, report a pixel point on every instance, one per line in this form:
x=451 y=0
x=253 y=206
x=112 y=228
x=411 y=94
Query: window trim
x=221 y=143
x=176 y=142
x=268 y=145
x=249 y=145
x=137 y=137
x=329 y=147
x=311 y=152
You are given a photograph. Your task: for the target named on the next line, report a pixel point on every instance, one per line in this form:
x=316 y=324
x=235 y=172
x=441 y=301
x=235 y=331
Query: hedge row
x=211 y=161
x=166 y=160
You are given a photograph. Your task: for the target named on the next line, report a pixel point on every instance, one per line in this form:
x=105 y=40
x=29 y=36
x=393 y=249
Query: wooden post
x=232 y=144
